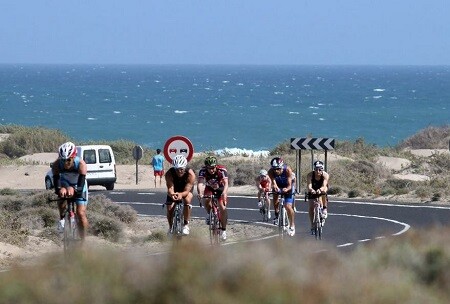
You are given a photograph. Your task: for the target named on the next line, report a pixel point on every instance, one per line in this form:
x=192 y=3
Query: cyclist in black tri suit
x=317 y=182
x=179 y=181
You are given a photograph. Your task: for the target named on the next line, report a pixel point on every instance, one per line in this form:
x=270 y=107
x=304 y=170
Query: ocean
x=237 y=107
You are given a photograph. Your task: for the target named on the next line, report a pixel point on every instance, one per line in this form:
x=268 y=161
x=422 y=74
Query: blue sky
x=380 y=32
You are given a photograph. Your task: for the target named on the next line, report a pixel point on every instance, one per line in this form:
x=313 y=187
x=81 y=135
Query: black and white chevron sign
x=312 y=143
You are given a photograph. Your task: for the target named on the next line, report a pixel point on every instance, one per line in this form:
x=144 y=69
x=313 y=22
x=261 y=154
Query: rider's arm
x=269 y=183
x=309 y=181
x=272 y=180
x=201 y=185
x=324 y=187
x=225 y=189
x=169 y=184
x=56 y=180
x=289 y=179
x=189 y=184
x=82 y=171
x=258 y=184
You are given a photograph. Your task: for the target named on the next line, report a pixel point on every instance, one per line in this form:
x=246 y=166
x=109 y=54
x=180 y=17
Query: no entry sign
x=178 y=145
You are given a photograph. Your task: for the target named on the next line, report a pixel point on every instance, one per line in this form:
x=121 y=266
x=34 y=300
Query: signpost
x=310 y=143
x=178 y=145
x=137 y=155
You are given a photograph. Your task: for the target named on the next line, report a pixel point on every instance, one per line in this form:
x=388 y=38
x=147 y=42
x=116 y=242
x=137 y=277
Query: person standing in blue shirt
x=158 y=166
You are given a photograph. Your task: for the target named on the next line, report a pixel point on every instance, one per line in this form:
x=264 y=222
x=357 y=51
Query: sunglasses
x=69 y=160
x=318 y=169
x=180 y=169
x=210 y=168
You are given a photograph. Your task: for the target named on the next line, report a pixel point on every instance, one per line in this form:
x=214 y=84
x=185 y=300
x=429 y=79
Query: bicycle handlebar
x=310 y=195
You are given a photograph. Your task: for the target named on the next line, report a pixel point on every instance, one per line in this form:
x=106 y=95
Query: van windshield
x=104 y=156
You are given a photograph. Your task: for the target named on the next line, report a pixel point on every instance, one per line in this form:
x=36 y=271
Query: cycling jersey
x=69 y=177
x=282 y=182
x=214 y=181
x=264 y=181
x=316 y=184
x=179 y=182
x=282 y=179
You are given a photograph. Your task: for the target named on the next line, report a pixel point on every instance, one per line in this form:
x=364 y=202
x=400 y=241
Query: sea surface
x=216 y=107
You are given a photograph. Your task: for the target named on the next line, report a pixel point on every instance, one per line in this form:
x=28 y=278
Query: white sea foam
x=240 y=152
x=296 y=113
x=180 y=112
x=92 y=118
x=376 y=97
x=117 y=112
x=379 y=90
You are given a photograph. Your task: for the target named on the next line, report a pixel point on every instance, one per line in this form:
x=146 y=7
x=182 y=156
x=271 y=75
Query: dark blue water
x=251 y=107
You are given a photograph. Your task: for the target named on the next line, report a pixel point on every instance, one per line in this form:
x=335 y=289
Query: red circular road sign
x=177 y=145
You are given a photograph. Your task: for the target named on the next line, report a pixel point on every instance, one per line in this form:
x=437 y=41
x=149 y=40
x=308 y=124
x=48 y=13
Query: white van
x=101 y=166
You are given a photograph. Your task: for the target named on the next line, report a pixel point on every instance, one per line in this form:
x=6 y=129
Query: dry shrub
x=414 y=268
x=429 y=138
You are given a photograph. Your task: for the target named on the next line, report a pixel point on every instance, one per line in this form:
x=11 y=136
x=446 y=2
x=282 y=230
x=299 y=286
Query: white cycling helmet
x=263 y=172
x=67 y=150
x=179 y=162
x=277 y=163
x=318 y=165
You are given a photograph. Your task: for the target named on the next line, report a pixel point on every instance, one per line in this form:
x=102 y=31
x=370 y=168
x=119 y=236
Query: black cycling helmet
x=318 y=165
x=277 y=163
x=211 y=161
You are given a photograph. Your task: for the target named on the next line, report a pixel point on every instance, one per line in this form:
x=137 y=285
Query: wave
x=180 y=112
x=240 y=152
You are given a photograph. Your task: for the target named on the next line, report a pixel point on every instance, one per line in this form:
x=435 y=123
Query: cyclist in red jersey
x=264 y=184
x=213 y=180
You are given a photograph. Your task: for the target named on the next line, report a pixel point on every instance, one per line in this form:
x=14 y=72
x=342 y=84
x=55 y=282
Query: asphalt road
x=349 y=222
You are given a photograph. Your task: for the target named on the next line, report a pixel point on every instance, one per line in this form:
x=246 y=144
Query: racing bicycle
x=318 y=219
x=265 y=209
x=177 y=218
x=283 y=220
x=71 y=234
x=215 y=225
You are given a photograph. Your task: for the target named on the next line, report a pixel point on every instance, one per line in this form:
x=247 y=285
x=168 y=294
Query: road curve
x=350 y=222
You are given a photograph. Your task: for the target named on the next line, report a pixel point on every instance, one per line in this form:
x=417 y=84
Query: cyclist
x=213 y=180
x=281 y=176
x=69 y=178
x=317 y=182
x=180 y=180
x=264 y=184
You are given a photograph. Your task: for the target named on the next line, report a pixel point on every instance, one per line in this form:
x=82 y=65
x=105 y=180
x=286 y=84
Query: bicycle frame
x=177 y=219
x=283 y=220
x=264 y=210
x=215 y=226
x=71 y=233
x=318 y=221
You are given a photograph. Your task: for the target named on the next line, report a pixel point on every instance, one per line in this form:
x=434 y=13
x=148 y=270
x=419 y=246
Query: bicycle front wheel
x=283 y=222
x=214 y=227
x=317 y=224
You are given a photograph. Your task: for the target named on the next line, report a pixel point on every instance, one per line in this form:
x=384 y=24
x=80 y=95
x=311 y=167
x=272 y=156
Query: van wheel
x=109 y=186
